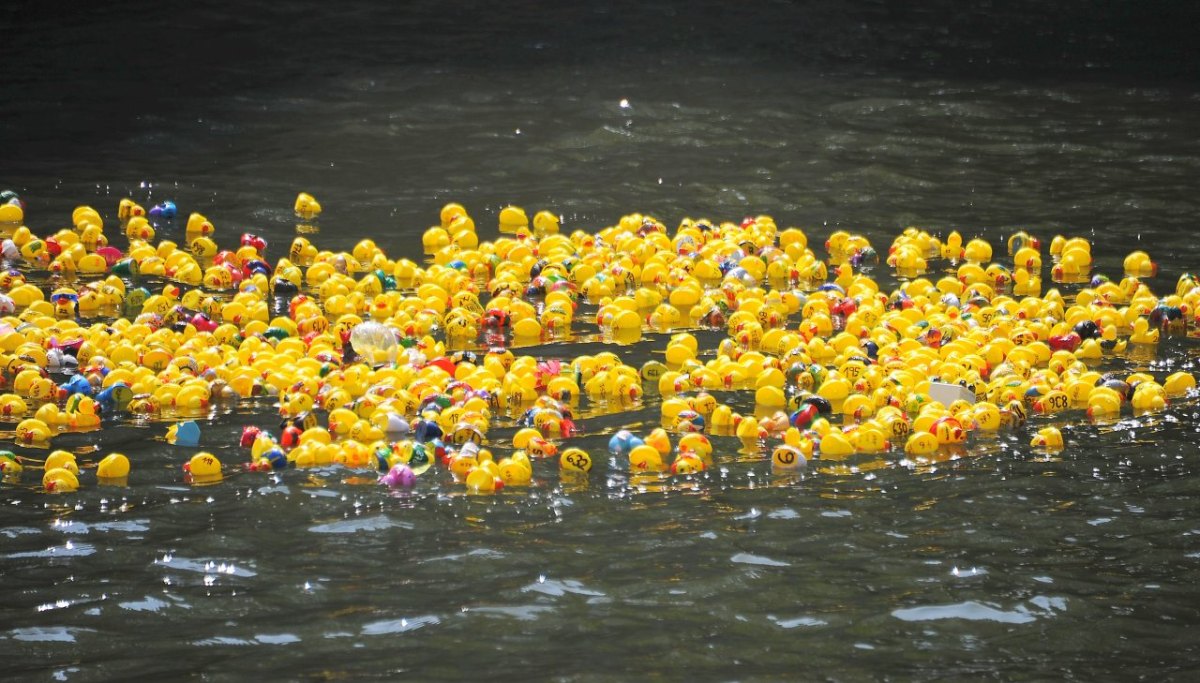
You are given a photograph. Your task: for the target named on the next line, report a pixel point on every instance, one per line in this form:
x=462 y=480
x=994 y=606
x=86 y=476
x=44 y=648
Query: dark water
x=1004 y=564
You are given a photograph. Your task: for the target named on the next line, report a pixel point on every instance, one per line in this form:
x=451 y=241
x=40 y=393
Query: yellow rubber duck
x=1148 y=395
x=63 y=459
x=1103 y=402
x=1049 y=438
x=921 y=443
x=33 y=431
x=306 y=206
x=113 y=467
x=12 y=405
x=978 y=251
x=1142 y=333
x=952 y=248
x=516 y=471
x=1176 y=384
x=60 y=480
x=1138 y=264
x=10 y=466
x=835 y=445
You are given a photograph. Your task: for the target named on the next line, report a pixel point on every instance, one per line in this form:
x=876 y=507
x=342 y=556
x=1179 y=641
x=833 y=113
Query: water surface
x=1005 y=563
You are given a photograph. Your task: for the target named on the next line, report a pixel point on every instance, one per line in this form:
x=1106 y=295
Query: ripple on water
x=68 y=549
x=968 y=573
x=204 y=566
x=147 y=604
x=747 y=558
x=403 y=625
x=557 y=588
x=486 y=553
x=78 y=527
x=129 y=526
x=350 y=526
x=48 y=634
x=970 y=611
x=221 y=641
x=276 y=638
x=797 y=622
x=518 y=612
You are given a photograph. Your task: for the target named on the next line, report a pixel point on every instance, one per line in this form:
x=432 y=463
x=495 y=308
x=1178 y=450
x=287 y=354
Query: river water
x=1005 y=563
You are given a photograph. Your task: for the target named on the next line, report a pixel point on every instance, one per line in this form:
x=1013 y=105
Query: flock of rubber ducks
x=396 y=366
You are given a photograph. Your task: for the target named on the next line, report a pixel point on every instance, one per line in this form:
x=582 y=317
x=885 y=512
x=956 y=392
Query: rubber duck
x=1143 y=333
x=575 y=460
x=921 y=443
x=1021 y=240
x=722 y=418
x=112 y=468
x=1027 y=258
x=770 y=397
x=198 y=225
x=698 y=444
x=461 y=464
x=306 y=206
x=11 y=212
x=539 y=447
x=623 y=442
x=203 y=468
x=857 y=407
x=516 y=470
x=869 y=438
x=952 y=248
x=687 y=463
x=1175 y=385
x=1103 y=402
x=165 y=210
x=835 y=389
x=32 y=431
x=483 y=479
x=1090 y=349
x=978 y=251
x=908 y=260
x=63 y=459
x=10 y=466
x=948 y=430
x=139 y=228
x=644 y=458
x=512 y=219
x=1138 y=264
x=747 y=428
x=660 y=440
x=1051 y=402
x=1049 y=438
x=81 y=419
x=1078 y=250
x=983 y=415
x=835 y=445
x=797 y=449
x=12 y=405
x=60 y=480
x=341 y=421
x=127 y=208
x=1148 y=395
x=1070 y=268
x=1026 y=283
